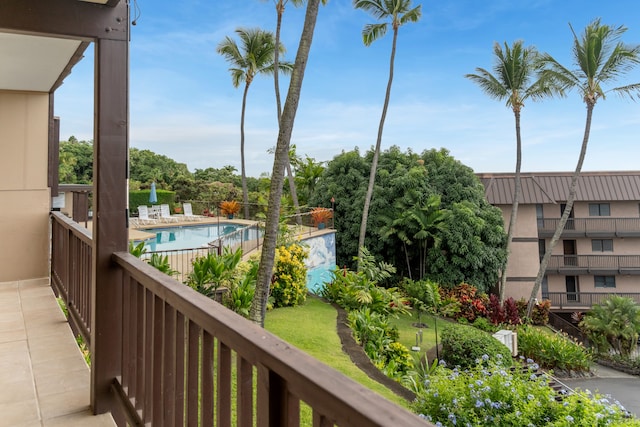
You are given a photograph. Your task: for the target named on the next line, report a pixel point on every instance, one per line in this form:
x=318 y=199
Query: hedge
x=141 y=197
x=462 y=345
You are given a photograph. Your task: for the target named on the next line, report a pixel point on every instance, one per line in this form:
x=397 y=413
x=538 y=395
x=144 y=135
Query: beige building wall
x=624 y=283
x=522 y=267
x=24 y=195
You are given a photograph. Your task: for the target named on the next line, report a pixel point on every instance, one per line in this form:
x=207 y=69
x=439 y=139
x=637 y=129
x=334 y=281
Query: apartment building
x=599 y=250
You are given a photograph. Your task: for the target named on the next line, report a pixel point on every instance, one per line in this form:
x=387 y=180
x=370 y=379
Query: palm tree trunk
x=292 y=183
x=245 y=191
x=565 y=214
x=514 y=205
x=259 y=303
x=376 y=153
x=406 y=255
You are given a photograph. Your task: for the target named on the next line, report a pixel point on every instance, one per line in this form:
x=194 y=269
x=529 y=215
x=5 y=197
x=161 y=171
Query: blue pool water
x=192 y=236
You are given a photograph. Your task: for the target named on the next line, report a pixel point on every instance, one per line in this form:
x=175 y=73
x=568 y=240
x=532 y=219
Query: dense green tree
x=254 y=56
x=76 y=161
x=400 y=12
x=281 y=159
x=146 y=167
x=474 y=251
x=344 y=179
x=601 y=58
x=513 y=81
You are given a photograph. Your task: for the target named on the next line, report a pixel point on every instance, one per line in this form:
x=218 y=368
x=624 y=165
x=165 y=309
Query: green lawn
x=312 y=328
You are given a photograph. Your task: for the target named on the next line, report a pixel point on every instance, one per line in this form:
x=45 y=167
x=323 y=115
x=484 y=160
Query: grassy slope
x=312 y=328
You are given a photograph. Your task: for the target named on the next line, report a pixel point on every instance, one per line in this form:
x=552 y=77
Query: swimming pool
x=194 y=236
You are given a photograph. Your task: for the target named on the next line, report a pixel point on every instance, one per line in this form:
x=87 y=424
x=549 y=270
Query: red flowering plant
x=471 y=304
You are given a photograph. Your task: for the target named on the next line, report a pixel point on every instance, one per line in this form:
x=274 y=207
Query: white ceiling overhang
x=33 y=63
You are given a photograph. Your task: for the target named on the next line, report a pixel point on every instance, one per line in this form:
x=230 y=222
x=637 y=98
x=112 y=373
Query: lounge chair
x=165 y=214
x=143 y=216
x=188 y=213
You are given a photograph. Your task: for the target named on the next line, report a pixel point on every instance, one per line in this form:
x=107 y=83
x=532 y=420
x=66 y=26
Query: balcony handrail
x=595 y=261
x=592 y=224
x=286 y=375
x=571 y=300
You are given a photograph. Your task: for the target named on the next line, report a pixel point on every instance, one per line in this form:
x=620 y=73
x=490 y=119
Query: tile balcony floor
x=43 y=376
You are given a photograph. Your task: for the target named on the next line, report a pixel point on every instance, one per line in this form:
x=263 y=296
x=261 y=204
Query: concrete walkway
x=623 y=387
x=44 y=378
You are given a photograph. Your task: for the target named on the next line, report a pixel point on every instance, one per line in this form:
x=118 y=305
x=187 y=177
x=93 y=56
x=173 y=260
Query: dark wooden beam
x=66 y=18
x=77 y=56
x=110 y=233
x=53 y=177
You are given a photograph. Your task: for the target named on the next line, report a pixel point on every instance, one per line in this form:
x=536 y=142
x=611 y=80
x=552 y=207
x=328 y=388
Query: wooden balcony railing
x=594 y=264
x=187 y=360
x=591 y=227
x=71 y=260
x=578 y=300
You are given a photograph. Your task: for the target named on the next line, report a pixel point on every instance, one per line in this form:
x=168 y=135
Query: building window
x=602 y=245
x=599 y=209
x=540 y=215
x=604 y=281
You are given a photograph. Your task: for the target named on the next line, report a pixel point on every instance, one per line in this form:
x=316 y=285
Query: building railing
x=187 y=360
x=604 y=264
x=71 y=261
x=586 y=227
x=582 y=300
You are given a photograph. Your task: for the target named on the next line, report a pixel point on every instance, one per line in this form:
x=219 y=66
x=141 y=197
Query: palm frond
x=373 y=32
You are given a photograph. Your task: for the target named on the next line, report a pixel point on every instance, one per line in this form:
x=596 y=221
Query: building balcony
x=591 y=227
x=179 y=358
x=575 y=265
x=579 y=301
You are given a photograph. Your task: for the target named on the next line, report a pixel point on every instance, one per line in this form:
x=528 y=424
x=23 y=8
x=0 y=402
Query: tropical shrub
x=490 y=394
x=242 y=288
x=321 y=216
x=379 y=338
x=485 y=325
x=289 y=282
x=425 y=291
x=212 y=271
x=462 y=345
x=229 y=207
x=553 y=351
x=161 y=263
x=470 y=302
x=351 y=291
x=613 y=324
x=137 y=250
x=539 y=314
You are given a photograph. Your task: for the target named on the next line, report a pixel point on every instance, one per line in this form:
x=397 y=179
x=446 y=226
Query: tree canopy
x=464 y=245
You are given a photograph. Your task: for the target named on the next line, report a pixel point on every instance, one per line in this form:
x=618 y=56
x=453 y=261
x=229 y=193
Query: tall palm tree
x=254 y=56
x=513 y=81
x=600 y=58
x=259 y=303
x=280 y=6
x=400 y=13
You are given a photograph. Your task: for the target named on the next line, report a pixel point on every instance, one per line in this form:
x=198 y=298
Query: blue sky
x=184 y=106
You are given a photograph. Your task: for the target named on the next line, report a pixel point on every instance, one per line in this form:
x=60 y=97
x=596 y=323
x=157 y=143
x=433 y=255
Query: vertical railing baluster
x=206 y=369
x=148 y=357
x=223 y=401
x=193 y=357
x=157 y=357
x=244 y=381
x=139 y=347
x=180 y=352
x=168 y=368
